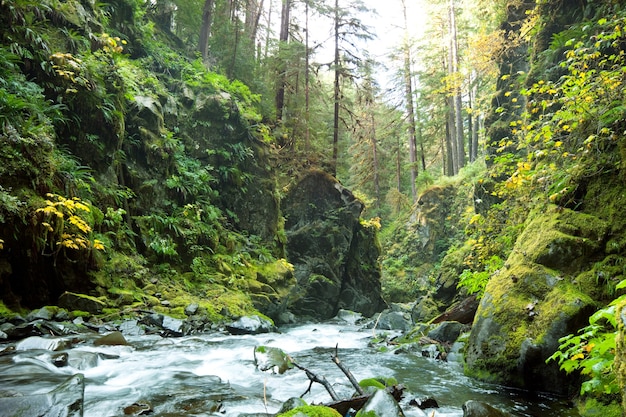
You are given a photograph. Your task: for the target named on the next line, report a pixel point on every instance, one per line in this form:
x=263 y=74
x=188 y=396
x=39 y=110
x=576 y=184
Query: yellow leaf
x=577 y=356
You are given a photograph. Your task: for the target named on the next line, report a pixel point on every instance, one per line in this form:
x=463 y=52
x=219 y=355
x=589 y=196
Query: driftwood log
x=463 y=311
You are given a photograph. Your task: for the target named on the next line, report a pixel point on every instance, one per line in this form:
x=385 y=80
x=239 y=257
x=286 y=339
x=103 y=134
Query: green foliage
x=475 y=282
x=591 y=352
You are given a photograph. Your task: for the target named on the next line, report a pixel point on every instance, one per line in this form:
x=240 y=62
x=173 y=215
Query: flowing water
x=215 y=374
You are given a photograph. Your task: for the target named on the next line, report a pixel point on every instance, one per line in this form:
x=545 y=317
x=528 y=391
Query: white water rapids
x=190 y=375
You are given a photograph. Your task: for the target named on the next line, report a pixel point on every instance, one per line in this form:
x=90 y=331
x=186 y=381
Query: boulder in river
x=66 y=400
x=43 y=343
x=250 y=325
x=477 y=409
x=111 y=339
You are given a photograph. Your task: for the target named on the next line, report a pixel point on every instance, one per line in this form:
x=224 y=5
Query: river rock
x=191 y=309
x=42 y=343
x=334 y=255
x=82 y=360
x=72 y=301
x=393 y=320
x=64 y=401
x=382 y=404
x=172 y=326
x=446 y=332
x=271 y=358
x=348 y=316
x=44 y=313
x=132 y=328
x=250 y=325
x=113 y=338
x=291 y=403
x=477 y=409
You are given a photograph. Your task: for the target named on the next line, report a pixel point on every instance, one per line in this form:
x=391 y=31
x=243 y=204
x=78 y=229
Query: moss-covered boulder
x=335 y=255
x=538 y=297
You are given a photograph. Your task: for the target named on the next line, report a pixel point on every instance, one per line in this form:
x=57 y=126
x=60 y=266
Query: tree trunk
x=282 y=80
x=375 y=161
x=458 y=105
x=307 y=80
x=336 y=94
x=408 y=92
x=205 y=29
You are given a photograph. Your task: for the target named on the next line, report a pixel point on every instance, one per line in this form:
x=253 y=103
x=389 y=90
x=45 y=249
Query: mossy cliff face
x=335 y=256
x=543 y=293
x=137 y=152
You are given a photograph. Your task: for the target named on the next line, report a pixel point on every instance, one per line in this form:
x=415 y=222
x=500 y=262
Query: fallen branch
x=347 y=372
x=314 y=378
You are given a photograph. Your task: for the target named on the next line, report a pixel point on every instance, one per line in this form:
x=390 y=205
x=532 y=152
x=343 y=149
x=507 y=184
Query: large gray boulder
x=335 y=256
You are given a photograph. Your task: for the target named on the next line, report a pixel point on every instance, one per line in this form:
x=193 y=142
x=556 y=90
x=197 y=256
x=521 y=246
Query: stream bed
x=215 y=374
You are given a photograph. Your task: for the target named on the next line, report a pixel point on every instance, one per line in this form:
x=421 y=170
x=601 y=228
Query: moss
x=6 y=312
x=312 y=411
x=591 y=407
x=79 y=313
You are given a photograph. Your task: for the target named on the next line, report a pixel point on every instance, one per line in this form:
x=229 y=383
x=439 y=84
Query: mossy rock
x=311 y=411
x=532 y=302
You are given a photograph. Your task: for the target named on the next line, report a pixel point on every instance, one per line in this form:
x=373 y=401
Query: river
x=215 y=374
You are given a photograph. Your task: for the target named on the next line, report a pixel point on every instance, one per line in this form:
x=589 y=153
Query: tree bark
x=458 y=105
x=336 y=94
x=283 y=38
x=205 y=29
x=408 y=92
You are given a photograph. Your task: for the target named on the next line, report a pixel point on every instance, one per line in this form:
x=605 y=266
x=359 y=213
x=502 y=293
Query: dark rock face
x=335 y=257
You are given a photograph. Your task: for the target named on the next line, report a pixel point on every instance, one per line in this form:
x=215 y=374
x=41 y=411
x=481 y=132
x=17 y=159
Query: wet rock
x=424 y=403
x=191 y=309
x=83 y=360
x=394 y=320
x=44 y=313
x=113 y=338
x=72 y=301
x=41 y=343
x=271 y=358
x=349 y=316
x=446 y=332
x=172 y=326
x=291 y=403
x=64 y=401
x=250 y=325
x=138 y=408
x=477 y=409
x=60 y=360
x=3 y=335
x=381 y=404
x=131 y=328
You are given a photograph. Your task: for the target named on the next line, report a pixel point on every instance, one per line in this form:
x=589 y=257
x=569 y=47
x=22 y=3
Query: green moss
x=312 y=411
x=5 y=311
x=591 y=407
x=79 y=313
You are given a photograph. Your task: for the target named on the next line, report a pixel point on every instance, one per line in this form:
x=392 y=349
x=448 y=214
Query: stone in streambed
x=250 y=325
x=477 y=409
x=113 y=338
x=42 y=343
x=66 y=400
